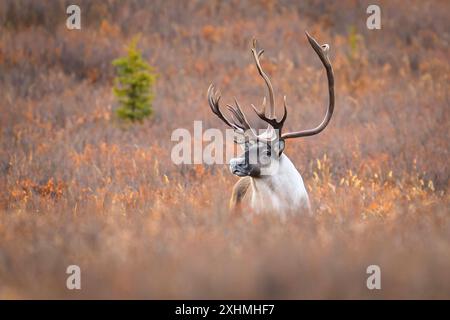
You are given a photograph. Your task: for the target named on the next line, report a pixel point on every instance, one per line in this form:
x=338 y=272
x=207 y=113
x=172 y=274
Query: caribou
x=267 y=176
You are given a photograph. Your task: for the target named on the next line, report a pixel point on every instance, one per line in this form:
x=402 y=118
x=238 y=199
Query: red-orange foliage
x=78 y=187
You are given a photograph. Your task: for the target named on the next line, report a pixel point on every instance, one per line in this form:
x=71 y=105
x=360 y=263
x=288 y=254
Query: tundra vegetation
x=134 y=84
x=76 y=189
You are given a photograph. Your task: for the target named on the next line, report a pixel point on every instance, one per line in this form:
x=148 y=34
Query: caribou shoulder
x=240 y=189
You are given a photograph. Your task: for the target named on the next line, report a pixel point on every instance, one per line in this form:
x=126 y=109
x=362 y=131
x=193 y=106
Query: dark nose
x=237 y=162
x=238 y=167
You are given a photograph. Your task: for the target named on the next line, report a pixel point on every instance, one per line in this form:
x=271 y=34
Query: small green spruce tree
x=134 y=85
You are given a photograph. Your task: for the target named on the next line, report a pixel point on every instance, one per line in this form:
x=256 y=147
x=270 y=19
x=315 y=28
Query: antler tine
x=283 y=119
x=263 y=111
x=278 y=125
x=213 y=100
x=239 y=115
x=239 y=122
x=256 y=55
x=322 y=52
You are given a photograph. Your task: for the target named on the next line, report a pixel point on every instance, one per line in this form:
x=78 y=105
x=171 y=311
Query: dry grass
x=78 y=188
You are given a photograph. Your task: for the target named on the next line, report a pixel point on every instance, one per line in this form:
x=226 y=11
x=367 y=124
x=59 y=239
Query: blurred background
x=77 y=186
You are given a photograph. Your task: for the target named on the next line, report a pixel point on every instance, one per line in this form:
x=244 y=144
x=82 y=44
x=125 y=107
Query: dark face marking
x=256 y=157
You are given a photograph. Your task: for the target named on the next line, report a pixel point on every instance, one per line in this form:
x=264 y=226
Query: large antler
x=239 y=121
x=256 y=55
x=322 y=52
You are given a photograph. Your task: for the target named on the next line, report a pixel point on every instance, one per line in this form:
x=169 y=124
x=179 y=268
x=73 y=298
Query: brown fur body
x=240 y=189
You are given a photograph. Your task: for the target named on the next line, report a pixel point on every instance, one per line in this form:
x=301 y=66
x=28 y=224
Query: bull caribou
x=266 y=174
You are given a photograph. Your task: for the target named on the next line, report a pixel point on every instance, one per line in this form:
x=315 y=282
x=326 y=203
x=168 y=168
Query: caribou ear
x=279 y=147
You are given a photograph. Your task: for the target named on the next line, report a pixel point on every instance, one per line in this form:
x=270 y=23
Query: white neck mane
x=283 y=191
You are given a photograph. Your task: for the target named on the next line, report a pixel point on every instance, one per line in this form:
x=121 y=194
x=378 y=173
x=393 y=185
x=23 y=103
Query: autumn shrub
x=134 y=85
